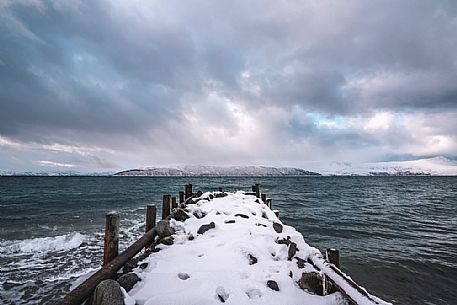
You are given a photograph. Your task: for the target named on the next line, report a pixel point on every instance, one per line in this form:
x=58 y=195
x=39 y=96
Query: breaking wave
x=43 y=244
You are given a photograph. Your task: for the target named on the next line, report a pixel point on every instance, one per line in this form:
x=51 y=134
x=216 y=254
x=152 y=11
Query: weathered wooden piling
x=174 y=204
x=166 y=206
x=188 y=190
x=333 y=256
x=111 y=246
x=181 y=197
x=269 y=203
x=257 y=190
x=151 y=215
x=264 y=198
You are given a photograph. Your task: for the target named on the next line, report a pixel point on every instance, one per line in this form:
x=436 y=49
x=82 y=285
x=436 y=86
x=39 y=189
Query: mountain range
x=219 y=171
x=437 y=166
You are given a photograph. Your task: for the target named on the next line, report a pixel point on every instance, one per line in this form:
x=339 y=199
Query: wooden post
x=151 y=215
x=253 y=188
x=188 y=191
x=264 y=198
x=166 y=206
x=269 y=203
x=181 y=197
x=257 y=190
x=111 y=247
x=174 y=205
x=333 y=257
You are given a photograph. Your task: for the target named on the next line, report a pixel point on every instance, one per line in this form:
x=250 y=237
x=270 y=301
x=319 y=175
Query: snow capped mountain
x=437 y=166
x=54 y=173
x=215 y=171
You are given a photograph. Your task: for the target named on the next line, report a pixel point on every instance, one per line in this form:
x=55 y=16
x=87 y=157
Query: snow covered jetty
x=214 y=248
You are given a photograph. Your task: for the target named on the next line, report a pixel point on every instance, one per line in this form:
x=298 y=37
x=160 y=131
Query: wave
x=43 y=245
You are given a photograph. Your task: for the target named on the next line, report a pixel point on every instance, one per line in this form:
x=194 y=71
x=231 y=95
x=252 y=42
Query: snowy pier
x=218 y=247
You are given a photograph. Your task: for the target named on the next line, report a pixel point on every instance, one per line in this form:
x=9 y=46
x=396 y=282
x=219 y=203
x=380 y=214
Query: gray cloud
x=144 y=79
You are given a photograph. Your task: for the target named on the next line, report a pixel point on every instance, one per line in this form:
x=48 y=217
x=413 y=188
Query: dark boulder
x=277 y=227
x=252 y=259
x=205 y=228
x=108 y=292
x=273 y=285
x=300 y=262
x=130 y=265
x=127 y=281
x=183 y=276
x=179 y=215
x=292 y=250
x=311 y=282
x=163 y=229
x=283 y=241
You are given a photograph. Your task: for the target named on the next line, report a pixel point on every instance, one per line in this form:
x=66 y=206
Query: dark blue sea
x=397 y=235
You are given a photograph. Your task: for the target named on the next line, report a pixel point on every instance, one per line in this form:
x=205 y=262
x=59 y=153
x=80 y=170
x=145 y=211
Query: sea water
x=397 y=235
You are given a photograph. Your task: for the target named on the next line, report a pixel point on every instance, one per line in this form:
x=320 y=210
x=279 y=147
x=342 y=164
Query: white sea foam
x=44 y=244
x=81 y=274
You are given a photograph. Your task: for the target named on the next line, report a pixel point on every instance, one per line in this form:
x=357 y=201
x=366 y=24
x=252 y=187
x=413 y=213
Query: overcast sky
x=109 y=85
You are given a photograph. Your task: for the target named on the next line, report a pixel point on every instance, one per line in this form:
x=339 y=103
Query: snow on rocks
x=241 y=256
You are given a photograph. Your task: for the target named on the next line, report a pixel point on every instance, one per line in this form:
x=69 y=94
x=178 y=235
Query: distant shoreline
x=220 y=176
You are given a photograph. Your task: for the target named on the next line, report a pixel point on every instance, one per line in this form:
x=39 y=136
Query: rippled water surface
x=397 y=235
